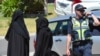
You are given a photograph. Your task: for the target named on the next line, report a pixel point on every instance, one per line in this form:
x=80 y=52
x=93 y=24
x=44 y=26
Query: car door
x=96 y=41
x=59 y=37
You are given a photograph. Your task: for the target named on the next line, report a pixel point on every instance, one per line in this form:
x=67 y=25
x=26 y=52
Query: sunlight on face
x=79 y=13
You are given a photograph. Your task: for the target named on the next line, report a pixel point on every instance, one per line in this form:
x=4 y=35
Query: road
x=3 y=46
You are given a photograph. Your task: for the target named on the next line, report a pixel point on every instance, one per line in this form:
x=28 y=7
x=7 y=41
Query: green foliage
x=27 y=6
x=9 y=6
x=0 y=7
x=34 y=7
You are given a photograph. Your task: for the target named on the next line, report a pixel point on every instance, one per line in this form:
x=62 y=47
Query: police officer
x=79 y=32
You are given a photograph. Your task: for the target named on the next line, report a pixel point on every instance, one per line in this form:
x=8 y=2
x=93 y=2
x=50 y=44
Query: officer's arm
x=68 y=41
x=96 y=21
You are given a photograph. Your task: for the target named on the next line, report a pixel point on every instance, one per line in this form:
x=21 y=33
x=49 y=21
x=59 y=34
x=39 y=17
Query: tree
x=0 y=1
x=27 y=6
x=9 y=6
x=34 y=6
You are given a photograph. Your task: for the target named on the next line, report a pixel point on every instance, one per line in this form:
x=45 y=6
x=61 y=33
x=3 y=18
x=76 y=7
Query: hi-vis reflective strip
x=84 y=26
x=83 y=37
x=79 y=34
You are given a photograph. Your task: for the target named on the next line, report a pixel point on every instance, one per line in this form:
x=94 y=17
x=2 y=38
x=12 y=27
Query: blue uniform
x=81 y=47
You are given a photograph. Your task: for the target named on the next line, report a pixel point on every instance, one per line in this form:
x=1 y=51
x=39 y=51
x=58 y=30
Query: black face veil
x=17 y=36
x=44 y=38
x=18 y=24
x=41 y=22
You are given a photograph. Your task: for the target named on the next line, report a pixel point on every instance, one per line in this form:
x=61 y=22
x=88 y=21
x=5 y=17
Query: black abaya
x=17 y=36
x=44 y=38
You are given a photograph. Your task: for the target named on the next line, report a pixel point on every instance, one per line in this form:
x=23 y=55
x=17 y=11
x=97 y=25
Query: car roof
x=59 y=18
x=97 y=13
x=66 y=17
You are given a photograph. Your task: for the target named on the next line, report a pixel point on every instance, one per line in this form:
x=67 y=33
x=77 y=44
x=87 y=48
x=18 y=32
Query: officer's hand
x=68 y=52
x=87 y=13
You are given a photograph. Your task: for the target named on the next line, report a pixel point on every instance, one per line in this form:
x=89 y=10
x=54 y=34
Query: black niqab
x=17 y=36
x=44 y=38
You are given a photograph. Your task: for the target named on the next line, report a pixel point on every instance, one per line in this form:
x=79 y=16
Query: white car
x=64 y=7
x=58 y=26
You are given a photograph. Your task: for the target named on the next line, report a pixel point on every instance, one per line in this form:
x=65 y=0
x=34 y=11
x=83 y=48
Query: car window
x=58 y=28
x=63 y=28
x=52 y=26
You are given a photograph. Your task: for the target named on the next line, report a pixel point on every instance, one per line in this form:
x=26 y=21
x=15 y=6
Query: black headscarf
x=41 y=22
x=17 y=36
x=44 y=38
x=18 y=24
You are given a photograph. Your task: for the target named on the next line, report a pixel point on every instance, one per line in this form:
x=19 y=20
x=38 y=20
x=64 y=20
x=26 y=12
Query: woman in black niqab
x=44 y=38
x=17 y=36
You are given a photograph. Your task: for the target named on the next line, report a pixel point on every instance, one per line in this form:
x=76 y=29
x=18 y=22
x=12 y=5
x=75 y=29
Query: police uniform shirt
x=70 y=25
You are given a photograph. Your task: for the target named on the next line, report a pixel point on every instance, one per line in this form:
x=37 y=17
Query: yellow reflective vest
x=80 y=30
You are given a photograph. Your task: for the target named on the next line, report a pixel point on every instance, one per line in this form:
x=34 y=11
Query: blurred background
x=31 y=9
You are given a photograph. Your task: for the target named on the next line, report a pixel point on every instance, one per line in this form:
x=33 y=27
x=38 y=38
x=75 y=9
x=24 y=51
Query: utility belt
x=82 y=42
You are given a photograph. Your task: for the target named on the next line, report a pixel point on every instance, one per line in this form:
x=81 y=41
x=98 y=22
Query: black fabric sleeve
x=91 y=24
x=92 y=27
x=8 y=32
x=69 y=29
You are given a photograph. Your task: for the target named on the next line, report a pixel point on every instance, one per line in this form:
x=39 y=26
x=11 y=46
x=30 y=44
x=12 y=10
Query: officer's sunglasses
x=81 y=10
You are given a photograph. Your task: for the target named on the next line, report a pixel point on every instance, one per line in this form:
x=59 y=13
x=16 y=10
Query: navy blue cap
x=79 y=7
